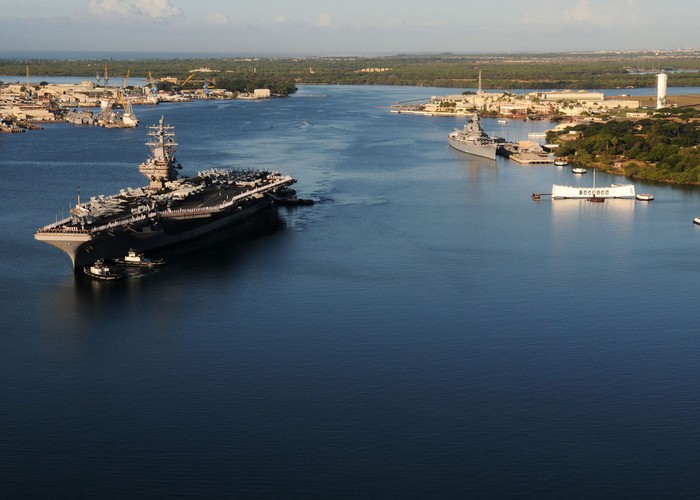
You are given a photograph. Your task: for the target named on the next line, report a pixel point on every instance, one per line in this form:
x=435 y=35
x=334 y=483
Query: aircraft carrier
x=170 y=210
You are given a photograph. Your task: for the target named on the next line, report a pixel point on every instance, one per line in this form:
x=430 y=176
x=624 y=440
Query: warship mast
x=160 y=167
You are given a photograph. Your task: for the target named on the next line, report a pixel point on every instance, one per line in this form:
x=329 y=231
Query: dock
x=527 y=158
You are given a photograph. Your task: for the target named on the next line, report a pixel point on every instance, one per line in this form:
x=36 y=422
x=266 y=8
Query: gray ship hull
x=487 y=150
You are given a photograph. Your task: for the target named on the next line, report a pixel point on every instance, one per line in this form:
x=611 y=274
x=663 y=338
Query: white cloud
x=154 y=9
x=325 y=20
x=219 y=19
x=393 y=22
x=594 y=13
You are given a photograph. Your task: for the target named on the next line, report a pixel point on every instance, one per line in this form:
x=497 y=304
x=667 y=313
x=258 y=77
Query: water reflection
x=620 y=210
x=611 y=219
x=80 y=306
x=479 y=171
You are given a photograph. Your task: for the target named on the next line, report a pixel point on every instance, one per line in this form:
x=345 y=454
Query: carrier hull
x=150 y=234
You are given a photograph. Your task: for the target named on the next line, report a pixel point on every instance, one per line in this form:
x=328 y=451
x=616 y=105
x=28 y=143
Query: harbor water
x=425 y=330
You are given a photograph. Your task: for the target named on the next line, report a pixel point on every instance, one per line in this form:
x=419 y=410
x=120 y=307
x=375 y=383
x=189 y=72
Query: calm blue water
x=425 y=331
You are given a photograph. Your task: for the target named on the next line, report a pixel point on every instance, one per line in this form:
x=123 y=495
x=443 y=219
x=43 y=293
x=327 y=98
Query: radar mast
x=160 y=167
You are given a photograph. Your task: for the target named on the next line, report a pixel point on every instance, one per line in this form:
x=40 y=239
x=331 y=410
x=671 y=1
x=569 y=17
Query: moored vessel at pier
x=171 y=209
x=473 y=140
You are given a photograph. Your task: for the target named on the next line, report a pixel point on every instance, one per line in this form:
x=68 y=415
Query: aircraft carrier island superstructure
x=169 y=210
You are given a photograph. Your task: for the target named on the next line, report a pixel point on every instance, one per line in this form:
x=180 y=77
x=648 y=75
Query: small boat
x=645 y=197
x=696 y=220
x=596 y=199
x=133 y=258
x=99 y=270
x=579 y=170
x=537 y=196
x=561 y=162
x=501 y=121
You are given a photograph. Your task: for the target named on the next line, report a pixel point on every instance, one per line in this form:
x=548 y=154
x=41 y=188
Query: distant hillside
x=499 y=71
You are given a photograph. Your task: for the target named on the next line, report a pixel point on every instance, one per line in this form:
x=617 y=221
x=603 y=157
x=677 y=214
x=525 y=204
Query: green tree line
x=515 y=71
x=659 y=148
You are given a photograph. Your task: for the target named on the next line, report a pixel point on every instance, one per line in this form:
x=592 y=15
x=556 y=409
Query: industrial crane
x=154 y=87
x=121 y=92
x=122 y=99
x=189 y=77
x=206 y=88
x=128 y=117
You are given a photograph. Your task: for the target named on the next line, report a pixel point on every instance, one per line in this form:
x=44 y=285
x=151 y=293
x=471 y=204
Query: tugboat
x=134 y=258
x=99 y=270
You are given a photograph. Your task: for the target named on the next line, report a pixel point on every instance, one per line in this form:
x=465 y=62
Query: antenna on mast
x=28 y=87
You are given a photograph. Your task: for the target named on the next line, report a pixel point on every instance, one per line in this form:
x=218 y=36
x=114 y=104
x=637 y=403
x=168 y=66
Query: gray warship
x=473 y=140
x=170 y=210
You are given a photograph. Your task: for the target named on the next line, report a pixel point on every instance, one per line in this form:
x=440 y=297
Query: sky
x=344 y=28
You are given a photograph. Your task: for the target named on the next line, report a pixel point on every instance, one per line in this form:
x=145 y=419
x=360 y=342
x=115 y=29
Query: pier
x=527 y=158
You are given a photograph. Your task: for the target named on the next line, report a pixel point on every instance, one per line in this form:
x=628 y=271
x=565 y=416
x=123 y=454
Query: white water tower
x=661 y=80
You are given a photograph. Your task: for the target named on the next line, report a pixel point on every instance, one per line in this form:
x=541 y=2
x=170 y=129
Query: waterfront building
x=567 y=103
x=567 y=95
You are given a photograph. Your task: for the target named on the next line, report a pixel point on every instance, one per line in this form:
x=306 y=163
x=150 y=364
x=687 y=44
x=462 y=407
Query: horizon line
x=106 y=54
